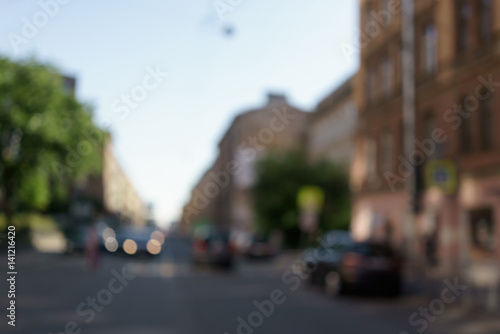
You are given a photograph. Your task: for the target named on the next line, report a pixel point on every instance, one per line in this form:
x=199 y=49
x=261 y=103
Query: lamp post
x=408 y=80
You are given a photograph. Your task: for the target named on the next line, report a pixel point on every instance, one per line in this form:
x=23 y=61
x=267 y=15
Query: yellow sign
x=310 y=198
x=441 y=174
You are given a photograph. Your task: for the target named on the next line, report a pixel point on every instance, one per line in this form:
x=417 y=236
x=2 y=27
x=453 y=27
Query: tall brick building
x=456 y=160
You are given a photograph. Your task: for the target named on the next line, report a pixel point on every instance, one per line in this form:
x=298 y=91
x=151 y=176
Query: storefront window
x=482 y=233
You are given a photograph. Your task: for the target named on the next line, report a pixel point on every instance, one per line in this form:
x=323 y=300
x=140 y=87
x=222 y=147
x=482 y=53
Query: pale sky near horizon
x=167 y=141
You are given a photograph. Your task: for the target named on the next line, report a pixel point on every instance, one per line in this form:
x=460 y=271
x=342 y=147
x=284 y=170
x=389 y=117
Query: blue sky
x=171 y=136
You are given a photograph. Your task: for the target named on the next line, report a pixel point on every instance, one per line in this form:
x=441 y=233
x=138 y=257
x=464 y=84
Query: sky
x=189 y=79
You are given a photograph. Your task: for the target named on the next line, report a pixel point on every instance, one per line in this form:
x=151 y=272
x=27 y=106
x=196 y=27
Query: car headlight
x=153 y=247
x=111 y=244
x=129 y=246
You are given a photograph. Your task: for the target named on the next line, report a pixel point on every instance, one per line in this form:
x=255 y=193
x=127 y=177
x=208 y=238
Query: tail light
x=200 y=245
x=398 y=263
x=352 y=260
x=230 y=248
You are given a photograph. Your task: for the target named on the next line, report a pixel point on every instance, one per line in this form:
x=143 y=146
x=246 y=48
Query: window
x=398 y=69
x=387 y=70
x=387 y=146
x=429 y=49
x=482 y=233
x=370 y=84
x=486 y=125
x=466 y=132
x=464 y=13
x=430 y=124
x=485 y=19
x=368 y=10
x=371 y=157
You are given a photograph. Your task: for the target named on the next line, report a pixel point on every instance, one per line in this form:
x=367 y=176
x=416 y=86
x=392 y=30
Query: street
x=58 y=294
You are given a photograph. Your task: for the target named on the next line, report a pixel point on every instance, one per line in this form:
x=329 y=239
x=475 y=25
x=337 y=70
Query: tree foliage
x=47 y=137
x=280 y=176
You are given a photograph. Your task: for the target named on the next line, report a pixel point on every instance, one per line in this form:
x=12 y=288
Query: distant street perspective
x=250 y=167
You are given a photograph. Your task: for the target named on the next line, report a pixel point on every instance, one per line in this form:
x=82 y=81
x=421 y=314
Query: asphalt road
x=58 y=294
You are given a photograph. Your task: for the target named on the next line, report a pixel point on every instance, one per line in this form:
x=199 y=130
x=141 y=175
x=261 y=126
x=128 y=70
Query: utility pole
x=408 y=79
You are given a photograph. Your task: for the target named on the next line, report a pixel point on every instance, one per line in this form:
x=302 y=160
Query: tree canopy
x=280 y=176
x=47 y=137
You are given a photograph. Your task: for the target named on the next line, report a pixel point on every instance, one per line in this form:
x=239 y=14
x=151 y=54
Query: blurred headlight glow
x=111 y=244
x=154 y=247
x=129 y=246
x=158 y=236
x=108 y=233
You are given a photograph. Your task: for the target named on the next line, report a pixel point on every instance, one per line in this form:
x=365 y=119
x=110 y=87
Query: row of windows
x=473 y=23
x=473 y=18
x=380 y=154
x=484 y=127
x=388 y=70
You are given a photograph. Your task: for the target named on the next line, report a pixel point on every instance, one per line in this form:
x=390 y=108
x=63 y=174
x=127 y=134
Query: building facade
x=456 y=157
x=108 y=194
x=120 y=198
x=223 y=195
x=333 y=126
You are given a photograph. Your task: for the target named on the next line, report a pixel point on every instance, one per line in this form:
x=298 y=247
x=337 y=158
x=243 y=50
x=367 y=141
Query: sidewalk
x=463 y=320
x=467 y=315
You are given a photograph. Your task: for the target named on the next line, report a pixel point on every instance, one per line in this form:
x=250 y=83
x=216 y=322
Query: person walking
x=92 y=254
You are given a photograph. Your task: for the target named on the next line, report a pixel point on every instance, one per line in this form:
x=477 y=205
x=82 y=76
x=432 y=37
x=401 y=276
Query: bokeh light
x=108 y=233
x=111 y=244
x=154 y=247
x=129 y=246
x=158 y=236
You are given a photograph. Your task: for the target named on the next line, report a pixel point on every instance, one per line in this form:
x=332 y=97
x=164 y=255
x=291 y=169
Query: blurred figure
x=92 y=254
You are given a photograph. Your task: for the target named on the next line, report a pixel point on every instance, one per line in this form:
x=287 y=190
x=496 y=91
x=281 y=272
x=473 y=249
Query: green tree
x=47 y=137
x=280 y=176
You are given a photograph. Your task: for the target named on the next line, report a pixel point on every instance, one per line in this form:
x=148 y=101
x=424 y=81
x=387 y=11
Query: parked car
x=261 y=248
x=323 y=261
x=75 y=239
x=371 y=268
x=213 y=247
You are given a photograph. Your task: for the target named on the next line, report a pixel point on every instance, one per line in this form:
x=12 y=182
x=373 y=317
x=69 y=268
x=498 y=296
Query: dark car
x=138 y=241
x=213 y=247
x=75 y=239
x=371 y=268
x=323 y=261
x=261 y=248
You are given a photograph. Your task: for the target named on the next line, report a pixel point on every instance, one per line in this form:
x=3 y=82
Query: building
x=199 y=209
x=223 y=195
x=120 y=198
x=333 y=126
x=456 y=159
x=69 y=84
x=109 y=194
